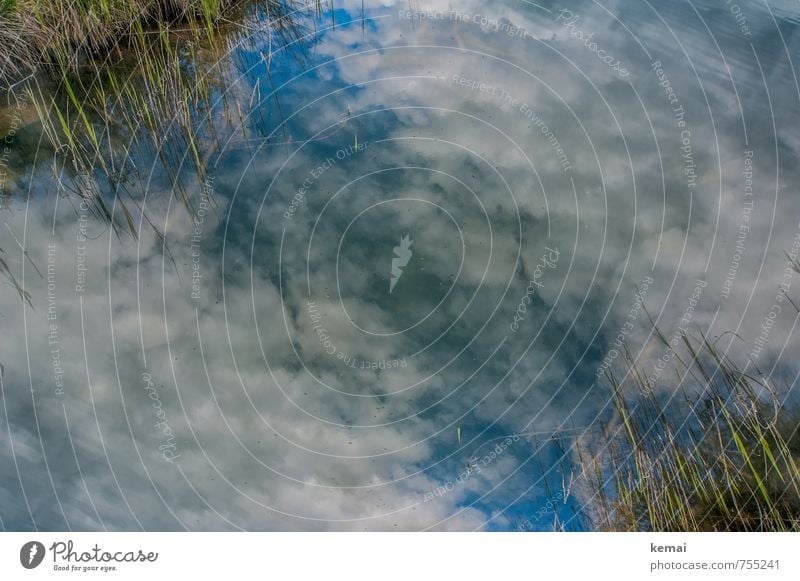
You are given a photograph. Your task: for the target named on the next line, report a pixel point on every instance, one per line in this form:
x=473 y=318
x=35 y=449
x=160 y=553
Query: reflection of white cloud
x=265 y=445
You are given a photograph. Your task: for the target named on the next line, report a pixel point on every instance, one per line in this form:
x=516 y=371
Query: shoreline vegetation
x=63 y=33
x=111 y=80
x=107 y=78
x=718 y=451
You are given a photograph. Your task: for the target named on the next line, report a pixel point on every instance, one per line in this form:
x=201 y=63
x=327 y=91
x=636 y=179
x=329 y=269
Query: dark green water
x=412 y=254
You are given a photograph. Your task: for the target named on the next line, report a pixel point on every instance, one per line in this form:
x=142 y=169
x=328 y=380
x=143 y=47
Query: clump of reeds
x=65 y=34
x=64 y=31
x=117 y=81
x=121 y=76
x=18 y=55
x=719 y=454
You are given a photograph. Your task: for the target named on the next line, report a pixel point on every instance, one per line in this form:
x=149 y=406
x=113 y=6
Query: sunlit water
x=416 y=249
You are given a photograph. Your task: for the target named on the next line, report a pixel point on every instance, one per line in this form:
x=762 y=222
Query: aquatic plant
x=721 y=455
x=122 y=76
x=9 y=275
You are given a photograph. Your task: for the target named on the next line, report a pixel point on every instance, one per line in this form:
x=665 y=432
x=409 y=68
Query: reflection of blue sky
x=274 y=432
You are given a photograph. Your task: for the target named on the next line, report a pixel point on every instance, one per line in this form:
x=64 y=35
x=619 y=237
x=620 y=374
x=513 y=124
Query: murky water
x=388 y=299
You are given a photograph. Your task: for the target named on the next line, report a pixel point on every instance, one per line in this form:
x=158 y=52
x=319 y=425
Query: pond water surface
x=384 y=291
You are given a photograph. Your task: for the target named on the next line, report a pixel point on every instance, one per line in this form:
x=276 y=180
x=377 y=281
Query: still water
x=382 y=286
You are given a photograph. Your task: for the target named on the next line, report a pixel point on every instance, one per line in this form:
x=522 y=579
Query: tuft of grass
x=724 y=456
x=18 y=54
x=117 y=81
x=150 y=87
x=42 y=33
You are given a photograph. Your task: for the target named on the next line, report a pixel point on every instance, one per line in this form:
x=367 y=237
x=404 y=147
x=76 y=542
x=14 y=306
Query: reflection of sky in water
x=301 y=393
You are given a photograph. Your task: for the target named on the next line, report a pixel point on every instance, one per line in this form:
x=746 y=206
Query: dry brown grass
x=35 y=33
